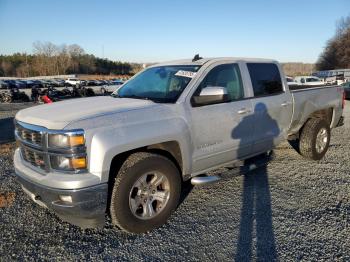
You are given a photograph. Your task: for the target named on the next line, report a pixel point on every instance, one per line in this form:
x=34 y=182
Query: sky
x=159 y=30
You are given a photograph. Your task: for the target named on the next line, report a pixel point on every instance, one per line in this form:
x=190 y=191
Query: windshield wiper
x=153 y=99
x=134 y=97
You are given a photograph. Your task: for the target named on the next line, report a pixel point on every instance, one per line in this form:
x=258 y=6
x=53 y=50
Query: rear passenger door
x=272 y=105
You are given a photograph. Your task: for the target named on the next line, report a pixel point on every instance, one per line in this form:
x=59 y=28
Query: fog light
x=78 y=163
x=66 y=198
x=68 y=163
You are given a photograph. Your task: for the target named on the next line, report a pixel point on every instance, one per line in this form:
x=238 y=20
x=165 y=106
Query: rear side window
x=266 y=79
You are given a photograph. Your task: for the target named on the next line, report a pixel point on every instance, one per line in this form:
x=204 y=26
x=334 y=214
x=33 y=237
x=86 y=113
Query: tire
x=308 y=145
x=133 y=170
x=89 y=92
x=7 y=98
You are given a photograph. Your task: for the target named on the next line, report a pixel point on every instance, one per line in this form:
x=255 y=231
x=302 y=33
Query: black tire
x=308 y=136
x=89 y=92
x=135 y=166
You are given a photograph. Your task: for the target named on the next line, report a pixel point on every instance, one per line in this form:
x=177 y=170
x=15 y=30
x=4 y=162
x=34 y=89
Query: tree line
x=336 y=54
x=51 y=59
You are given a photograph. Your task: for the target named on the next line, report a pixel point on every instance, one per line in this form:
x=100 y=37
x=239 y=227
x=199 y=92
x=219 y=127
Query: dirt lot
x=291 y=209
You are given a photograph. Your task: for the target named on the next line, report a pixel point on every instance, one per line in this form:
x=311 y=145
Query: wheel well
x=170 y=149
x=326 y=114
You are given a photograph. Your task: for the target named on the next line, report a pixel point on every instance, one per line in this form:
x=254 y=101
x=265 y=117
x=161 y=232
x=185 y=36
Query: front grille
x=32 y=143
x=34 y=158
x=30 y=136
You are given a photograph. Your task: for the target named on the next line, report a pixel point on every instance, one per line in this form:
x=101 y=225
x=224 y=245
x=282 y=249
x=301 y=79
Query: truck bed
x=309 y=99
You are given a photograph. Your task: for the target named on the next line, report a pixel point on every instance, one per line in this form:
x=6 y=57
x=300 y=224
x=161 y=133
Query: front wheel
x=146 y=191
x=314 y=139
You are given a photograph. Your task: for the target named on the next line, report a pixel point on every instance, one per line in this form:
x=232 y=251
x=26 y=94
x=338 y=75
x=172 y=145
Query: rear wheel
x=314 y=139
x=145 y=193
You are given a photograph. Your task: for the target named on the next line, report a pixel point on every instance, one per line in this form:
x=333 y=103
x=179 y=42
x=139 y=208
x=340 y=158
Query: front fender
x=108 y=143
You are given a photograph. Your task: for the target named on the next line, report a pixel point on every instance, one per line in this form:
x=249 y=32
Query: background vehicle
x=290 y=81
x=173 y=122
x=346 y=87
x=336 y=79
x=91 y=83
x=3 y=84
x=308 y=80
x=111 y=88
x=13 y=94
x=75 y=81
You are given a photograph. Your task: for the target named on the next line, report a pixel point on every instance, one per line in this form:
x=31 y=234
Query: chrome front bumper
x=86 y=206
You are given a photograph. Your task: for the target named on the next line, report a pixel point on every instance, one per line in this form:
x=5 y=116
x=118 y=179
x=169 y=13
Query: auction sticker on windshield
x=185 y=73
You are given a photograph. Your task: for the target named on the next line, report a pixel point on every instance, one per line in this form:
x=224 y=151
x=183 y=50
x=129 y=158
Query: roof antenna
x=196 y=58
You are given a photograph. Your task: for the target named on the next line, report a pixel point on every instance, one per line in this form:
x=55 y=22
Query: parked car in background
x=117 y=82
x=290 y=81
x=4 y=84
x=109 y=89
x=346 y=87
x=335 y=80
x=308 y=80
x=60 y=82
x=75 y=81
x=91 y=83
x=20 y=84
x=13 y=94
x=30 y=83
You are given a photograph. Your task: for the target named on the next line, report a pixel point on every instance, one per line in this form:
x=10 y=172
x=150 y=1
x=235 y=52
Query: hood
x=59 y=114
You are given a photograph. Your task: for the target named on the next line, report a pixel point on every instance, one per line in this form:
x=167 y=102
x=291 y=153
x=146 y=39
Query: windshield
x=162 y=84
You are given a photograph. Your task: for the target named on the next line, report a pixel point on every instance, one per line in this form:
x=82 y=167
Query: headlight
x=66 y=140
x=66 y=163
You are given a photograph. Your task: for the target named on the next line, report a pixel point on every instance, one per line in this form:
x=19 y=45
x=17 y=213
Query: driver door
x=221 y=132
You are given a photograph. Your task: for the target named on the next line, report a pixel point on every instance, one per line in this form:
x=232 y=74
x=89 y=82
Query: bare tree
x=336 y=53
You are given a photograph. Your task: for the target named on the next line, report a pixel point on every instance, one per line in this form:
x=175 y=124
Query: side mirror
x=211 y=95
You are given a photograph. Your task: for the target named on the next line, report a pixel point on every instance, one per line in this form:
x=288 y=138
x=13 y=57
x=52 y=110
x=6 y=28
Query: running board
x=204 y=180
x=240 y=168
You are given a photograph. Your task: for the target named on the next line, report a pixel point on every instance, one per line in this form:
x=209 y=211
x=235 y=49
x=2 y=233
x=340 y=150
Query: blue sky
x=158 y=30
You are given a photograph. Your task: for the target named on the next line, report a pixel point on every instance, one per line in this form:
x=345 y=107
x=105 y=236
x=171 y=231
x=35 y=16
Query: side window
x=226 y=75
x=266 y=78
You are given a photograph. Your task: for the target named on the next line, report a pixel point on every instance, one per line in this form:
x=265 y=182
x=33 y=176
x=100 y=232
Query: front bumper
x=85 y=208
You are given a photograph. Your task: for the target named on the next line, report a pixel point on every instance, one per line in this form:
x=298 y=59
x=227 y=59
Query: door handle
x=285 y=103
x=243 y=111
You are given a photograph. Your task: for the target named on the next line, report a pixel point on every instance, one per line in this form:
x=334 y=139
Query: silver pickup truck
x=129 y=154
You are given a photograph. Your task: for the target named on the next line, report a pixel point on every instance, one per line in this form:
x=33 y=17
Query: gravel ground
x=292 y=209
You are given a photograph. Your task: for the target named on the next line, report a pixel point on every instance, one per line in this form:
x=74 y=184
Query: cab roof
x=203 y=61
